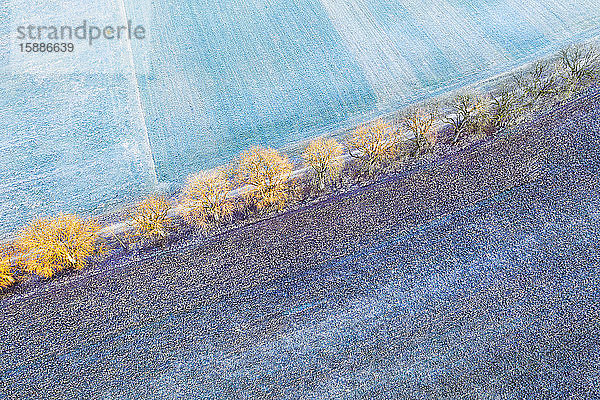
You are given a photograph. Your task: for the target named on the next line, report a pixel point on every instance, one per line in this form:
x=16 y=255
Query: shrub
x=267 y=173
x=374 y=146
x=323 y=157
x=205 y=197
x=7 y=276
x=150 y=218
x=420 y=123
x=50 y=245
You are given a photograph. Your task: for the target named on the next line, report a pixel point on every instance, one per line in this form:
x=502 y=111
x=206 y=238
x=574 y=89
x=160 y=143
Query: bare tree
x=461 y=111
x=267 y=173
x=420 y=123
x=323 y=157
x=374 y=146
x=578 y=65
x=506 y=108
x=536 y=84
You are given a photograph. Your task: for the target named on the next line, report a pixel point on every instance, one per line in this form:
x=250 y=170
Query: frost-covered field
x=475 y=277
x=215 y=77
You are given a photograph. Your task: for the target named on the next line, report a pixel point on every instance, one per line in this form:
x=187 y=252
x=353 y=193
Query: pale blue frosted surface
x=72 y=132
x=214 y=77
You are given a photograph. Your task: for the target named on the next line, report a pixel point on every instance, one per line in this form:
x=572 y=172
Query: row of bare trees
x=262 y=177
x=555 y=79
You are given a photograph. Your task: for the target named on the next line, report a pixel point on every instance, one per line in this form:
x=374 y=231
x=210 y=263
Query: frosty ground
x=474 y=277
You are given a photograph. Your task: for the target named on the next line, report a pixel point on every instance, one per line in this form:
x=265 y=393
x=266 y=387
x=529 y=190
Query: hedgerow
x=49 y=245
